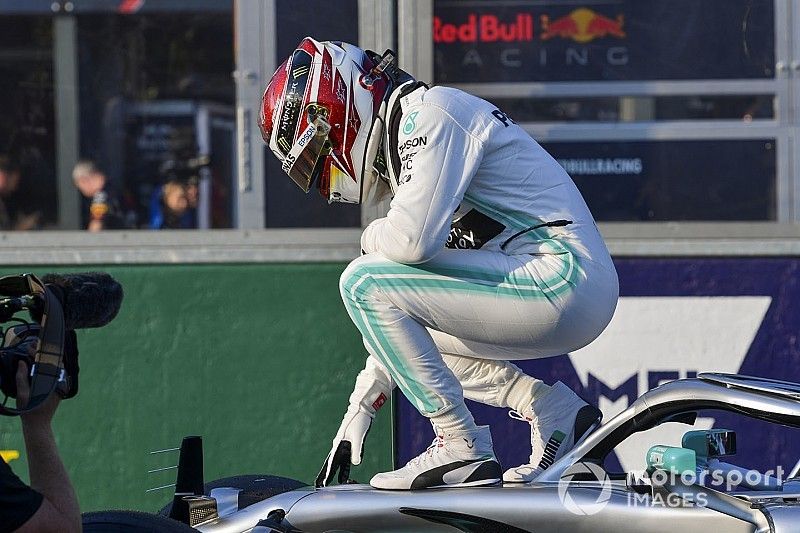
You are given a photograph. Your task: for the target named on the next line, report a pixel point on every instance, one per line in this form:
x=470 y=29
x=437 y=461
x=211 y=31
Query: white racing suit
x=487 y=254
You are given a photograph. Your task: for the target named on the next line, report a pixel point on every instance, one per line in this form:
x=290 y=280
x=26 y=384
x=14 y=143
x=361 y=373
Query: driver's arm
x=59 y=511
x=438 y=158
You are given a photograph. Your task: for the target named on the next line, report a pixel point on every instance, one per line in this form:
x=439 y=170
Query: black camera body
x=19 y=344
x=58 y=305
x=39 y=341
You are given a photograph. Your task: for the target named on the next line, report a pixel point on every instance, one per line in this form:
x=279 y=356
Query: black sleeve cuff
x=18 y=502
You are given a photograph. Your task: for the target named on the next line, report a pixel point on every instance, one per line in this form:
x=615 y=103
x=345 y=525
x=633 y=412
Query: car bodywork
x=565 y=497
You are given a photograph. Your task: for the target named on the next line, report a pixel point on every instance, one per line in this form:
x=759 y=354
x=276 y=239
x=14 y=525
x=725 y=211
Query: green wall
x=258 y=359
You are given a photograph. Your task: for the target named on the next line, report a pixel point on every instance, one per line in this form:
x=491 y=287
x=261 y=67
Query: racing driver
x=488 y=253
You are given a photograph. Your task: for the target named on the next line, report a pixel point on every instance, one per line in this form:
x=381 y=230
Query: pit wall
x=259 y=359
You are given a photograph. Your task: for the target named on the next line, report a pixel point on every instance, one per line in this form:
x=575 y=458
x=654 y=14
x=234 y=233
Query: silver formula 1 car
x=683 y=489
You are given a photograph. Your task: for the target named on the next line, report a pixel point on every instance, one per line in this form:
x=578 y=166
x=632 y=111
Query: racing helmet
x=318 y=116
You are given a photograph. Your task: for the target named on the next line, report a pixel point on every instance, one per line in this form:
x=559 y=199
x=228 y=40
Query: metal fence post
x=255 y=62
x=65 y=70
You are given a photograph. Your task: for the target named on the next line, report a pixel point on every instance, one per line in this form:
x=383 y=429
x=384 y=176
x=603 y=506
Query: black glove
x=347 y=449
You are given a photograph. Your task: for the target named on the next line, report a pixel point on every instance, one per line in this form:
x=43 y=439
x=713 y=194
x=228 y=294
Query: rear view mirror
x=710 y=443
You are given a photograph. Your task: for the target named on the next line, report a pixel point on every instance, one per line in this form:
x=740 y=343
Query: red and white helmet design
x=317 y=117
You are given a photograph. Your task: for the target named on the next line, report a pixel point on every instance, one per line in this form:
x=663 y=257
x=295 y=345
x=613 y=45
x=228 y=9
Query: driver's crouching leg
x=384 y=306
x=384 y=303
x=493 y=382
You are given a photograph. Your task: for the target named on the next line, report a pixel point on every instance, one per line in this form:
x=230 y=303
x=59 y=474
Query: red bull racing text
x=532 y=38
x=484 y=29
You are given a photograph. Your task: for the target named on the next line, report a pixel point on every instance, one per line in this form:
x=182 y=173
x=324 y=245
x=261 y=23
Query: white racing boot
x=559 y=420
x=456 y=459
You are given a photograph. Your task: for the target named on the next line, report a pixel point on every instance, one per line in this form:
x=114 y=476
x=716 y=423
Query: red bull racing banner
x=482 y=41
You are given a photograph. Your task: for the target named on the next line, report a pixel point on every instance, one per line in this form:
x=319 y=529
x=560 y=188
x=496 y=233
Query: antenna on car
x=190 y=505
x=162 y=469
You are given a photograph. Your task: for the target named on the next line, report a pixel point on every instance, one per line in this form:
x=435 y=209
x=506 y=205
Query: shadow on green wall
x=258 y=359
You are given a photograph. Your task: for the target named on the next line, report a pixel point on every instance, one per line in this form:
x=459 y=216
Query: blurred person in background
x=49 y=504
x=488 y=254
x=170 y=207
x=193 y=197
x=11 y=216
x=101 y=208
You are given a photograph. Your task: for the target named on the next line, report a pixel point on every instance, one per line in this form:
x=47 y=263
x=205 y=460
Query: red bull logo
x=130 y=6
x=484 y=29
x=582 y=25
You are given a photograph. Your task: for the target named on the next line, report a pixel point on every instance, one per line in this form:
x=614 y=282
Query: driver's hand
x=347 y=449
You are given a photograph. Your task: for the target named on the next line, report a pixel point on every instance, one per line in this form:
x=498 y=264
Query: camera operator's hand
x=59 y=510
x=42 y=415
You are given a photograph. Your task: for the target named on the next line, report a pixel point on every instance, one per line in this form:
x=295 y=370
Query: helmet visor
x=301 y=163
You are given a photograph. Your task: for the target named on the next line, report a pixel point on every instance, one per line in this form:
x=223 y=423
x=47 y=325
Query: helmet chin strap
x=374 y=184
x=370 y=179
